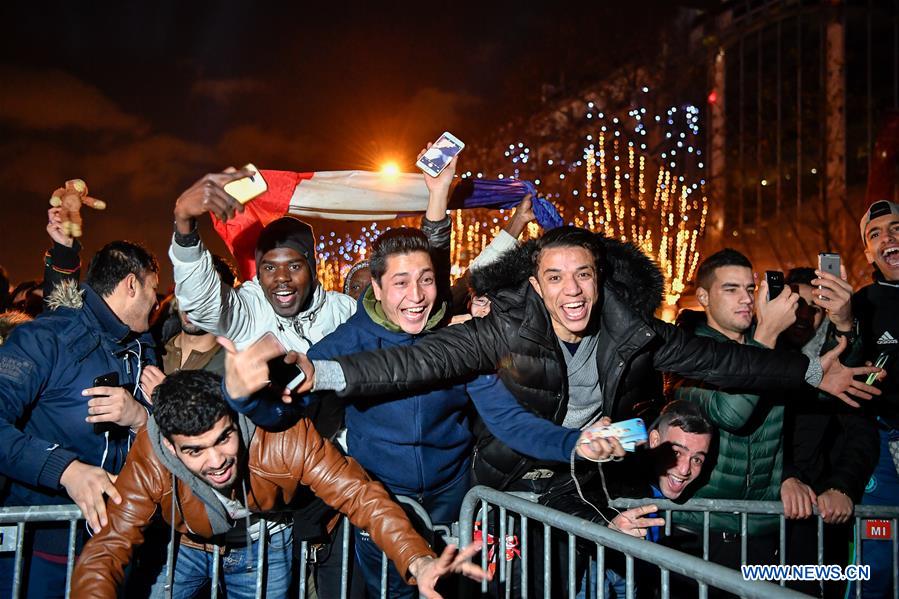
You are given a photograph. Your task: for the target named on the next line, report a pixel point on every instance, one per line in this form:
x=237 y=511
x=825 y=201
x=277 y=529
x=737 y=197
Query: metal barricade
x=20 y=516
x=667 y=560
x=744 y=509
x=14 y=519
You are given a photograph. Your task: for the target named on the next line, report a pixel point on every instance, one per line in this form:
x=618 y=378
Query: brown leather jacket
x=278 y=464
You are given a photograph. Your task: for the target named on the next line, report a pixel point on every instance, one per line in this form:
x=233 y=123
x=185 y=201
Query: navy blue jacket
x=411 y=442
x=44 y=367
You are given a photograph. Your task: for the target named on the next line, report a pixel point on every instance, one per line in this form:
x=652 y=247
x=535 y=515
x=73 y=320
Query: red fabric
x=241 y=232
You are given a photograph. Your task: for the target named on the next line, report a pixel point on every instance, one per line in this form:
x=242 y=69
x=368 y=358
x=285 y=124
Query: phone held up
x=775 y=280
x=440 y=154
x=829 y=263
x=281 y=374
x=244 y=190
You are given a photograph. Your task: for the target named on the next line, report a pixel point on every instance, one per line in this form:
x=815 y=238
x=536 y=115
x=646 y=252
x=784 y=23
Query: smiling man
x=572 y=335
x=284 y=297
x=877 y=309
x=213 y=477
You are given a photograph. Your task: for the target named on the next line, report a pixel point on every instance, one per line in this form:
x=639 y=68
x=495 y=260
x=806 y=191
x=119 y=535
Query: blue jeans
x=883 y=489
x=442 y=506
x=193 y=570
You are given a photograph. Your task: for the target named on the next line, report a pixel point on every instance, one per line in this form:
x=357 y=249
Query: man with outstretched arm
x=211 y=475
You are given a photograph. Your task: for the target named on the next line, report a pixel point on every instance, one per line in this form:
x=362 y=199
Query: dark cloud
x=54 y=100
x=225 y=90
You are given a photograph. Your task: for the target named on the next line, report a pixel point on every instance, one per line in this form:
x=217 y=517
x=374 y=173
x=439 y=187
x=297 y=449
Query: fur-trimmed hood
x=628 y=272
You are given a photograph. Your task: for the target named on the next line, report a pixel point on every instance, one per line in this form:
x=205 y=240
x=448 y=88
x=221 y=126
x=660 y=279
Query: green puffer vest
x=749 y=461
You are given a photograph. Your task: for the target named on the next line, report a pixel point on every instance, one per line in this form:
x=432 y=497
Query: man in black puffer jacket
x=572 y=336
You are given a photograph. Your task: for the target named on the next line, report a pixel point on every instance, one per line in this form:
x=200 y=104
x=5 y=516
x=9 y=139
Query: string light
x=653 y=198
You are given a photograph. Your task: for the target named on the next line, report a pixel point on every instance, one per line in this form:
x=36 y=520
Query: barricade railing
x=20 y=516
x=744 y=509
x=13 y=522
x=479 y=499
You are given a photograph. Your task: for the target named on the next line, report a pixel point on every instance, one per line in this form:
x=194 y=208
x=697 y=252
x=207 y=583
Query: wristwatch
x=850 y=335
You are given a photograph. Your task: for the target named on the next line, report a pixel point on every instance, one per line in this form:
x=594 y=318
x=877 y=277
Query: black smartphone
x=775 y=280
x=284 y=375
x=110 y=379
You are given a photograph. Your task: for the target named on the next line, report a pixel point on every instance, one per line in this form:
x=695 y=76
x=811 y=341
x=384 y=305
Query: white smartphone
x=440 y=154
x=244 y=190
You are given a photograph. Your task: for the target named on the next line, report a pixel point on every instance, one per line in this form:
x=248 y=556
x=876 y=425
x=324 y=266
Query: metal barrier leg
x=260 y=559
x=547 y=571
x=629 y=576
x=484 y=531
x=600 y=571
x=216 y=572
x=744 y=537
x=345 y=558
x=703 y=588
x=858 y=555
x=304 y=547
x=501 y=553
x=524 y=556
x=20 y=558
x=783 y=544
x=821 y=550
x=510 y=570
x=383 y=575
x=572 y=584
x=70 y=556
x=894 y=538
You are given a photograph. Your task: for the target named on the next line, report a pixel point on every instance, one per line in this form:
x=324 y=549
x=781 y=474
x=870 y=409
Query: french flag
x=361 y=196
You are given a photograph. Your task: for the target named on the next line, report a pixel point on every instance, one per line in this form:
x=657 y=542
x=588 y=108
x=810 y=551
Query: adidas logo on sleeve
x=887 y=339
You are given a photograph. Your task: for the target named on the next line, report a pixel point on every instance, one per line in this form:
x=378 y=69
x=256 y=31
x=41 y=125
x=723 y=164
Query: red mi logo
x=877 y=530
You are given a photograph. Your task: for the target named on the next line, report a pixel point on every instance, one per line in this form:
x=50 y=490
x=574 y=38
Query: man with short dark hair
x=68 y=407
x=213 y=475
x=749 y=460
x=877 y=309
x=571 y=333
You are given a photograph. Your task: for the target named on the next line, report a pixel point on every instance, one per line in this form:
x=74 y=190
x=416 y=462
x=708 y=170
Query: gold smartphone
x=244 y=190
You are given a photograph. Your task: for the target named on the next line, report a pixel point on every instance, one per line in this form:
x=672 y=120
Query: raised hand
x=834 y=294
x=208 y=195
x=839 y=380
x=55 y=228
x=247 y=371
x=634 y=521
x=86 y=485
x=774 y=316
x=428 y=570
x=439 y=188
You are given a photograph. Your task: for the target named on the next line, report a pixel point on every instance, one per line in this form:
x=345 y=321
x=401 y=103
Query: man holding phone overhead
x=67 y=413
x=284 y=297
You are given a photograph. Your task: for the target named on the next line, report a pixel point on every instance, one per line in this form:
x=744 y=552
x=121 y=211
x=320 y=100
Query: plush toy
x=70 y=198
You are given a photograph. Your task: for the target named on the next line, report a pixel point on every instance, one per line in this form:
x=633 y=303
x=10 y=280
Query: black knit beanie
x=288 y=232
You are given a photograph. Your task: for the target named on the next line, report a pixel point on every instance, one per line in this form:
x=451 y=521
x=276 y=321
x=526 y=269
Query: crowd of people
x=160 y=417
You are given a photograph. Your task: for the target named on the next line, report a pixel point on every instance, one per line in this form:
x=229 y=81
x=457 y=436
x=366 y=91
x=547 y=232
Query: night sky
x=140 y=101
